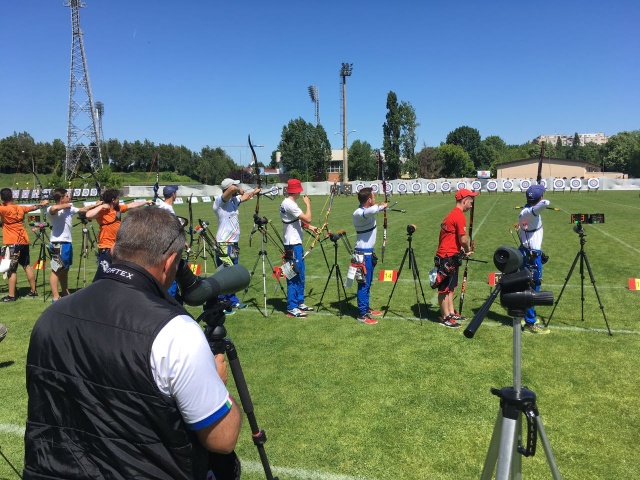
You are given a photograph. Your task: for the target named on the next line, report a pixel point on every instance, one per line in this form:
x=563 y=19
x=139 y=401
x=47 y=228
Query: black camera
x=196 y=290
x=411 y=229
x=578 y=228
x=260 y=221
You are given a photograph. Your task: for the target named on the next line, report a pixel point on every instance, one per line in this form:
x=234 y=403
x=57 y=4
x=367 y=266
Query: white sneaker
x=296 y=312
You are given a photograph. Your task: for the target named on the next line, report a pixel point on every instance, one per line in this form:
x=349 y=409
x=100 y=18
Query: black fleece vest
x=95 y=410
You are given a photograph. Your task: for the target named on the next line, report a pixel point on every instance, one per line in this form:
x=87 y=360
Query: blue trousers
x=295 y=286
x=534 y=264
x=364 y=289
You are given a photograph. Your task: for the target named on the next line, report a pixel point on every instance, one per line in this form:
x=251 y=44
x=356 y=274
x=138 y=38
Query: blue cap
x=535 y=192
x=169 y=190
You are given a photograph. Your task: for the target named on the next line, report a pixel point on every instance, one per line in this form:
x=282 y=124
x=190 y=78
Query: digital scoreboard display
x=587 y=217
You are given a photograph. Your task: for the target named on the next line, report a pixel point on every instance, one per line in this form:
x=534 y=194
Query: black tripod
x=413 y=266
x=582 y=255
x=216 y=334
x=505 y=447
x=43 y=238
x=88 y=243
x=261 y=227
x=334 y=237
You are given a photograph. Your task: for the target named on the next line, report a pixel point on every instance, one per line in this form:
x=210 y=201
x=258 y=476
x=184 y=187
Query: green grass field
x=407 y=399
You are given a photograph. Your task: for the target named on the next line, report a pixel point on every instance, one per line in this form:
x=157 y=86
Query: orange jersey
x=109 y=225
x=13 y=231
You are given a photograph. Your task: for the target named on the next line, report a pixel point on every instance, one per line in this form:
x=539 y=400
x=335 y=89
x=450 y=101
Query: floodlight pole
x=345 y=72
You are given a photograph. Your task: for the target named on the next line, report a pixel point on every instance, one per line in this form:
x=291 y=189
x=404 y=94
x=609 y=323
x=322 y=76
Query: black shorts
x=24 y=258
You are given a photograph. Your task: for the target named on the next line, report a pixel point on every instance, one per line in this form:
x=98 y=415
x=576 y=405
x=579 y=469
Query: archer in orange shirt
x=15 y=237
x=108 y=215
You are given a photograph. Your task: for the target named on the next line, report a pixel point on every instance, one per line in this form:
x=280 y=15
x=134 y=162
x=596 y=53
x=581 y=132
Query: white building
x=567 y=140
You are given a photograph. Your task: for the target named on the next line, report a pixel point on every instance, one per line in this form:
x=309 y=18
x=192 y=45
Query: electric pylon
x=82 y=141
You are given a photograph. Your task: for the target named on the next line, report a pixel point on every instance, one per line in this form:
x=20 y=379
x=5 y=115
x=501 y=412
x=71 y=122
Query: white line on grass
x=249 y=466
x=616 y=239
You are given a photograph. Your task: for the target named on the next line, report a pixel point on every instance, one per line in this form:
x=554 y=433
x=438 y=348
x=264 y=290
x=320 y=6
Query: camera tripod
x=216 y=333
x=262 y=256
x=334 y=237
x=413 y=266
x=88 y=243
x=582 y=255
x=506 y=448
x=43 y=238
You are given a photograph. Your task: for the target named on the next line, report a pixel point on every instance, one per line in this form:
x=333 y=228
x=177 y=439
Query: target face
x=558 y=183
x=374 y=187
x=524 y=184
x=543 y=182
x=402 y=187
x=431 y=187
x=507 y=185
x=594 y=183
x=445 y=187
x=388 y=188
x=359 y=187
x=461 y=185
x=575 y=183
x=416 y=187
x=476 y=185
x=492 y=185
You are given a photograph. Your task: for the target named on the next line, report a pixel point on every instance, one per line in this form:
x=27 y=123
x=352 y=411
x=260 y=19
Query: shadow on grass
x=6 y=364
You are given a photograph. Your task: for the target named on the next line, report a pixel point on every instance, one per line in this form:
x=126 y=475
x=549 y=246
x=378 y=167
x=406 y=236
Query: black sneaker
x=458 y=318
x=8 y=299
x=32 y=294
x=449 y=322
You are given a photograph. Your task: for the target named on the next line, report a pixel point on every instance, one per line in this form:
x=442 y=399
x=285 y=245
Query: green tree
x=304 y=147
x=408 y=126
x=362 y=161
x=391 y=141
x=214 y=165
x=455 y=161
x=619 y=151
x=468 y=138
x=429 y=165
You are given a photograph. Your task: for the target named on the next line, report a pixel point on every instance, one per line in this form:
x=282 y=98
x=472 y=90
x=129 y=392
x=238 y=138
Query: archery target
x=476 y=186
x=432 y=187
x=359 y=187
x=15 y=194
x=416 y=187
x=375 y=188
x=524 y=184
x=85 y=192
x=593 y=183
x=388 y=188
x=507 y=185
x=445 y=186
x=402 y=188
x=461 y=185
x=558 y=184
x=492 y=185
x=93 y=192
x=575 y=183
x=274 y=191
x=543 y=182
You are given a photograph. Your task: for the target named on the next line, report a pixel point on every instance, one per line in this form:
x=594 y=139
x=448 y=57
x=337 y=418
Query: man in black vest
x=121 y=380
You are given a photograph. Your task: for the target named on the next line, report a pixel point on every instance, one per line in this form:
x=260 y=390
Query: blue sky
x=207 y=72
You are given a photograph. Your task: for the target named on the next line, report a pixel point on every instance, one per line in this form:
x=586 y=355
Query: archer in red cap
x=453 y=244
x=293 y=219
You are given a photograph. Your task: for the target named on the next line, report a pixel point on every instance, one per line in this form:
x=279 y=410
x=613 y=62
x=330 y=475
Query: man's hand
x=307 y=202
x=221 y=366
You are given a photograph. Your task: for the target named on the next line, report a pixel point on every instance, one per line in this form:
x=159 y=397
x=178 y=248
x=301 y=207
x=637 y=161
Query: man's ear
x=168 y=262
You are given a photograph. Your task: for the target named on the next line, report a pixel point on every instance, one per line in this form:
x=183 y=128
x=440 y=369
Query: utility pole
x=345 y=72
x=81 y=141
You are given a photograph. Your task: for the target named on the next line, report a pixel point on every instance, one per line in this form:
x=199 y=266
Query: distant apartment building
x=567 y=140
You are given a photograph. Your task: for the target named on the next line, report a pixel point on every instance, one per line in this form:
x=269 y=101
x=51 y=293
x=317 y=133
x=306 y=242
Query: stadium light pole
x=345 y=71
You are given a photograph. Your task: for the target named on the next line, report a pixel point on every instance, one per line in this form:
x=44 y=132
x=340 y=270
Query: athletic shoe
x=458 y=318
x=523 y=322
x=305 y=308
x=8 y=299
x=367 y=320
x=536 y=328
x=229 y=312
x=449 y=322
x=240 y=306
x=32 y=294
x=296 y=312
x=374 y=313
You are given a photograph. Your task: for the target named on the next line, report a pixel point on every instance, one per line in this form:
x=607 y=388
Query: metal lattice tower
x=83 y=139
x=315 y=98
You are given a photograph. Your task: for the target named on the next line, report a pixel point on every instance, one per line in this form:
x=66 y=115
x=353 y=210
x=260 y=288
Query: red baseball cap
x=464 y=192
x=294 y=186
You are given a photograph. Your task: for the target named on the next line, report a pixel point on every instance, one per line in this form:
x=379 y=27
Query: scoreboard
x=587 y=217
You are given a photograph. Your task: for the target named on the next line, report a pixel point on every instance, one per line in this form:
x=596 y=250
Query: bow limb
x=386 y=200
x=257 y=173
x=325 y=225
x=190 y=222
x=539 y=177
x=463 y=287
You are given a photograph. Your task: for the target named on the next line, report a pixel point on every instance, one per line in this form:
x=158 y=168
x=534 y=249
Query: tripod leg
x=253 y=270
x=582 y=285
x=416 y=279
x=507 y=449
x=492 y=453
x=566 y=280
x=593 y=282
x=404 y=257
x=325 y=286
x=264 y=282
x=546 y=446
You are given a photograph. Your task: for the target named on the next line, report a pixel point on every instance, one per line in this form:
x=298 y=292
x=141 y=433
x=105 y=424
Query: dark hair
x=6 y=194
x=110 y=195
x=364 y=194
x=58 y=193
